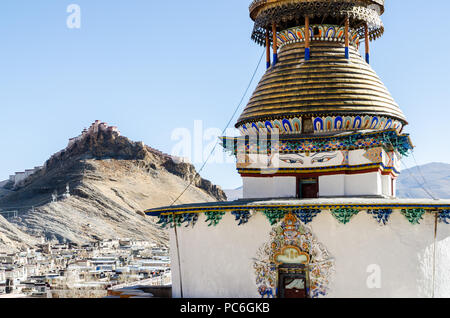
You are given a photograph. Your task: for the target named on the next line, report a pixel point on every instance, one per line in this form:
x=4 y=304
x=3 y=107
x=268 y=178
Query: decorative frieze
x=320 y=124
x=267 y=144
x=305 y=214
x=317 y=32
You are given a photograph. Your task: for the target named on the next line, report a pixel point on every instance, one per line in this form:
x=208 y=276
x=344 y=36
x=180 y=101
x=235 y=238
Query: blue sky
x=150 y=67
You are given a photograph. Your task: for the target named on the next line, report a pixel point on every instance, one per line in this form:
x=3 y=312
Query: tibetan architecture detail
x=293 y=243
x=382 y=215
x=319 y=152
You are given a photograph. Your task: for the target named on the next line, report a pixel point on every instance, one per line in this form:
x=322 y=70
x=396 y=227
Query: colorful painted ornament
x=344 y=215
x=414 y=216
x=444 y=216
x=382 y=215
x=306 y=215
x=241 y=216
x=214 y=218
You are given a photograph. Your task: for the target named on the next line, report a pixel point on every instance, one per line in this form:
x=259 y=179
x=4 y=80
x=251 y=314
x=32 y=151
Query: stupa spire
x=362 y=17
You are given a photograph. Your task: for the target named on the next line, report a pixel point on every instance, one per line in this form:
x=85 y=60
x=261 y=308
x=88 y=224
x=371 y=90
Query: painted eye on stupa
x=323 y=159
x=292 y=161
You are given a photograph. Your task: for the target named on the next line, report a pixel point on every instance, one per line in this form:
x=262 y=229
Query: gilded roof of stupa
x=328 y=84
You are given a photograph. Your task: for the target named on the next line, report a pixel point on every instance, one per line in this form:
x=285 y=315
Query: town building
x=319 y=153
x=61 y=270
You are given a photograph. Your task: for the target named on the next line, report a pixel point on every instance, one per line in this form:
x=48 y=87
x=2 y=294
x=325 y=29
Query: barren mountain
x=12 y=239
x=426 y=181
x=98 y=187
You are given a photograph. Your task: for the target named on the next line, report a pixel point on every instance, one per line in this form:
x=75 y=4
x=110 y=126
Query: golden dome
x=327 y=85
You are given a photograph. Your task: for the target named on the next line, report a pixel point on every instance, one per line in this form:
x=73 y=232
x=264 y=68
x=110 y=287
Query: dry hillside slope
x=111 y=181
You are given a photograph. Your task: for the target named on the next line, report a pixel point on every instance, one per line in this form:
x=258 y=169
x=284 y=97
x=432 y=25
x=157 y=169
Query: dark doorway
x=308 y=188
x=292 y=281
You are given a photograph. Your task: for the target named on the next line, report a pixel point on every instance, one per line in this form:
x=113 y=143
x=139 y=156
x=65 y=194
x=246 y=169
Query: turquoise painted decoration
x=414 y=216
x=306 y=215
x=344 y=215
x=171 y=220
x=164 y=220
x=214 y=218
x=275 y=216
x=381 y=215
x=242 y=216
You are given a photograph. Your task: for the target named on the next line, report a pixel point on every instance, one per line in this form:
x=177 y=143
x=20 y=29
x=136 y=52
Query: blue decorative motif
x=382 y=215
x=255 y=126
x=269 y=126
x=317 y=292
x=306 y=215
x=287 y=126
x=318 y=124
x=265 y=292
x=444 y=216
x=338 y=122
x=357 y=122
x=242 y=216
x=330 y=32
x=388 y=124
x=190 y=219
x=374 y=123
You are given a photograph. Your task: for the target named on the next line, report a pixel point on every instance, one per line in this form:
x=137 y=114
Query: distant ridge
x=436 y=179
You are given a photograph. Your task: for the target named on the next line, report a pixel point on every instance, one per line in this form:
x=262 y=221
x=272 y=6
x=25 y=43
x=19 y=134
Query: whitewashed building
x=319 y=154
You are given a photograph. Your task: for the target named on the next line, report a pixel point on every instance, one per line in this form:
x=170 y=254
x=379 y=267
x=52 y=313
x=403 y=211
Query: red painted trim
x=318 y=174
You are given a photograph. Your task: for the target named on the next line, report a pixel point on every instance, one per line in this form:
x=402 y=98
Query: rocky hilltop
x=98 y=188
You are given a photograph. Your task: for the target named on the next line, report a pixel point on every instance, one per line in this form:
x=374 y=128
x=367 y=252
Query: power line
x=223 y=131
x=425 y=182
x=421 y=185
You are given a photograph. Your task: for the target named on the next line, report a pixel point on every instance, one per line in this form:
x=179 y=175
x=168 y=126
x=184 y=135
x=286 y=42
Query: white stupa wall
x=332 y=185
x=338 y=185
x=218 y=261
x=269 y=187
x=363 y=184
